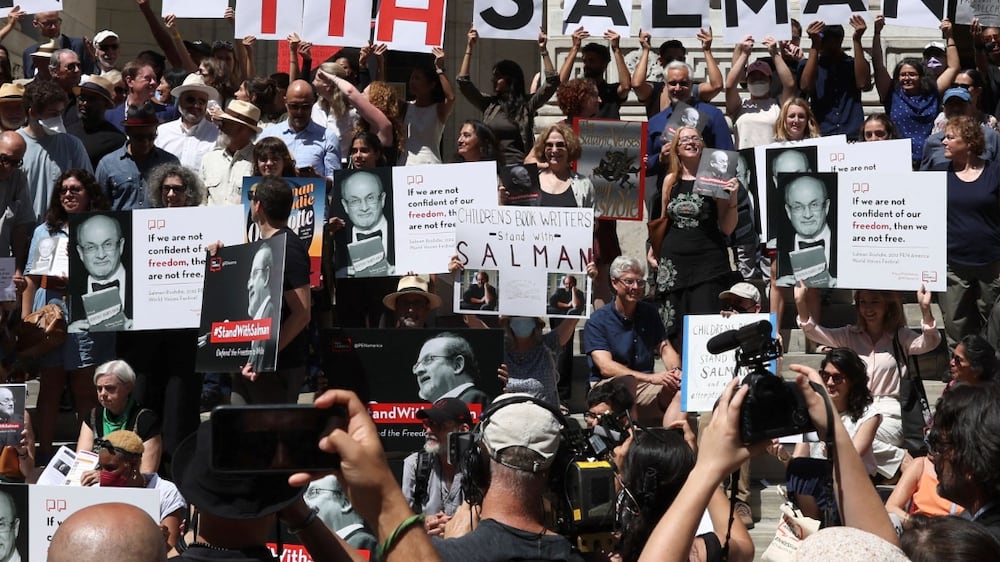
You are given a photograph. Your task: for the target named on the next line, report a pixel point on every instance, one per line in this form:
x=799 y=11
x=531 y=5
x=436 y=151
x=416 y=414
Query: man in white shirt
x=191 y=136
x=224 y=168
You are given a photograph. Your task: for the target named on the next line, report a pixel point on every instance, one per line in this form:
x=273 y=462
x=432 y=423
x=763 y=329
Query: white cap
x=102 y=35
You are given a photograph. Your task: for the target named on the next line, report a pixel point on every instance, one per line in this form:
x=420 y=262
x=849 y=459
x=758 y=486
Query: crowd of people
x=91 y=128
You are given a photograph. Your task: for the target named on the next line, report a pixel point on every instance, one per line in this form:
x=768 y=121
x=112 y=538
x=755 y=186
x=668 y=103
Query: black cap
x=447 y=410
x=199 y=47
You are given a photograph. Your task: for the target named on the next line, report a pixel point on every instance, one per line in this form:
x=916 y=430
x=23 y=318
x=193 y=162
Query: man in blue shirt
x=715 y=134
x=122 y=174
x=311 y=145
x=833 y=81
x=623 y=339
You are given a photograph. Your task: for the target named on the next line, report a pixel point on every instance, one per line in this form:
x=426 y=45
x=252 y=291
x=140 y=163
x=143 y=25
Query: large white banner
x=215 y=9
x=915 y=13
x=597 y=16
x=892 y=230
x=32 y=6
x=48 y=506
x=757 y=18
x=705 y=375
x=675 y=19
x=833 y=12
x=326 y=23
x=508 y=19
x=268 y=19
x=518 y=248
x=410 y=25
x=168 y=257
x=426 y=203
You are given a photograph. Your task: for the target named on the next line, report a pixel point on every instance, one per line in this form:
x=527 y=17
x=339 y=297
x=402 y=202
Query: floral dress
x=695 y=263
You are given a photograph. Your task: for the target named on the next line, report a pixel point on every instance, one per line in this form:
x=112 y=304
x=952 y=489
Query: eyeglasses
x=689 y=140
x=105 y=247
x=681 y=83
x=877 y=133
x=813 y=207
x=7 y=526
x=425 y=361
x=51 y=23
x=195 y=100
x=9 y=161
x=369 y=200
x=109 y=47
x=73 y=66
x=556 y=145
x=74 y=189
x=738 y=307
x=632 y=283
x=958 y=359
x=963 y=86
x=837 y=378
x=298 y=106
x=176 y=188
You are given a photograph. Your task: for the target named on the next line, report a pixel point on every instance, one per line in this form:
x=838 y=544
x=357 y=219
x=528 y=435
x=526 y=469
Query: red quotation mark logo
x=215 y=264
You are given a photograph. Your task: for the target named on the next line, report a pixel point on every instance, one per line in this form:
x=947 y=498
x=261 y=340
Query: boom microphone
x=731 y=339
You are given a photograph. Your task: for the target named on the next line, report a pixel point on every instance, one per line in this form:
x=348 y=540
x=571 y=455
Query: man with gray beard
x=191 y=136
x=224 y=168
x=431 y=484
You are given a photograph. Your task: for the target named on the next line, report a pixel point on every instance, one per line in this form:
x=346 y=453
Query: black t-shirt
x=198 y=553
x=143 y=421
x=296 y=275
x=99 y=141
x=496 y=542
x=610 y=102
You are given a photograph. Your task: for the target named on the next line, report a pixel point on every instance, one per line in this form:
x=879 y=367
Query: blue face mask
x=522 y=327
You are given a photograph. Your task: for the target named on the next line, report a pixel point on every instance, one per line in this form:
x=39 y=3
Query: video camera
x=773 y=407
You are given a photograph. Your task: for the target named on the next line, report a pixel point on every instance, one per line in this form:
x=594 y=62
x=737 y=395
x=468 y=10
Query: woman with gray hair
x=118 y=409
x=174 y=185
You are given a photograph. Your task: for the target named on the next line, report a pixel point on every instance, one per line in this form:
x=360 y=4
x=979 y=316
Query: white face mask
x=759 y=89
x=52 y=125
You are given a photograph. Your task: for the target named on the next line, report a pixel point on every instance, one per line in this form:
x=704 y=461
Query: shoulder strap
x=421 y=479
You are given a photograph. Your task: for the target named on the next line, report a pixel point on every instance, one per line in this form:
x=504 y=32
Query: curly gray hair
x=196 y=191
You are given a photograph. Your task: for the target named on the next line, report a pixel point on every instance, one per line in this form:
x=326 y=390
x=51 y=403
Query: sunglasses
x=836 y=378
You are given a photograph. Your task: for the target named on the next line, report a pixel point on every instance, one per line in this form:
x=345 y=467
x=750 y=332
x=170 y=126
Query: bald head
x=12 y=149
x=298 y=101
x=94 y=534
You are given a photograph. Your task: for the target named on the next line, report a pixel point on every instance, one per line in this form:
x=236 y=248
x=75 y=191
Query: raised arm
x=643 y=89
x=160 y=34
x=741 y=54
x=13 y=17
x=465 y=84
x=187 y=63
x=378 y=121
x=883 y=82
x=807 y=81
x=245 y=48
x=947 y=76
x=784 y=73
x=293 y=57
x=711 y=87
x=445 y=107
x=862 y=71
x=567 y=66
x=624 y=80
x=551 y=82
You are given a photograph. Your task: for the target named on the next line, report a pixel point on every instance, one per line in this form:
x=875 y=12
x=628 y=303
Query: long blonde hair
x=781 y=130
x=674 y=165
x=338 y=104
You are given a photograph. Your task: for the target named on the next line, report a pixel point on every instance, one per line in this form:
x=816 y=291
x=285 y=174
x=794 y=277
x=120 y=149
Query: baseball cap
x=102 y=35
x=933 y=45
x=960 y=93
x=522 y=424
x=742 y=291
x=759 y=66
x=447 y=410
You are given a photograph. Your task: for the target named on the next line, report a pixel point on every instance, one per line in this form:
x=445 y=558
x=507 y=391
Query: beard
x=432 y=447
x=224 y=140
x=190 y=118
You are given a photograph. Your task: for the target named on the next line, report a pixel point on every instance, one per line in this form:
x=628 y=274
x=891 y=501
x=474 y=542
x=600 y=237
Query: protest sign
x=986 y=11
x=507 y=19
x=757 y=18
x=398 y=372
x=674 y=19
x=50 y=257
x=240 y=327
x=215 y=9
x=325 y=23
x=169 y=248
x=365 y=245
x=521 y=185
x=873 y=157
x=833 y=12
x=32 y=6
x=410 y=25
x=706 y=375
x=8 y=292
x=893 y=230
x=267 y=19
x=765 y=169
x=12 y=404
x=100 y=271
x=569 y=295
x=916 y=13
x=611 y=155
x=42 y=509
x=67 y=467
x=426 y=204
x=597 y=16
x=521 y=245
x=307 y=218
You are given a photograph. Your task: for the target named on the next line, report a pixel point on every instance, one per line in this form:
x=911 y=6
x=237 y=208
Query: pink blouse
x=883 y=370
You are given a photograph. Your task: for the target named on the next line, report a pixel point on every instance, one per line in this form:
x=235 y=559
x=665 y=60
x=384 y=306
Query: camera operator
x=610 y=398
x=431 y=484
x=520 y=441
x=722 y=450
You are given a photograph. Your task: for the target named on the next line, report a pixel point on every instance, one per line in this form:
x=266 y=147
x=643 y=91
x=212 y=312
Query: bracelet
x=390 y=542
x=313 y=515
x=439 y=70
x=468 y=53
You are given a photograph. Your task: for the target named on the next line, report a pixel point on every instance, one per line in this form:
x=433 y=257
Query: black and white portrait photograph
x=14 y=522
x=520 y=181
x=683 y=115
x=100 y=279
x=715 y=169
x=478 y=290
x=807 y=234
x=569 y=294
x=361 y=209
